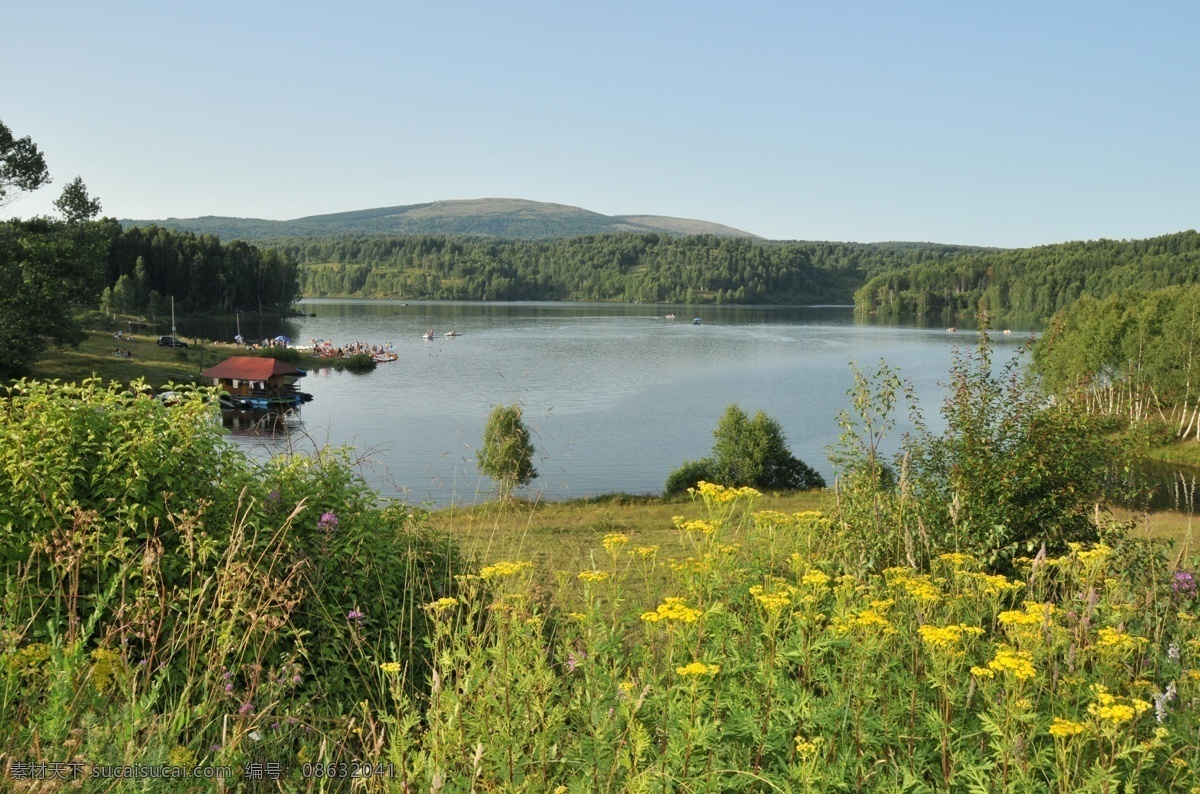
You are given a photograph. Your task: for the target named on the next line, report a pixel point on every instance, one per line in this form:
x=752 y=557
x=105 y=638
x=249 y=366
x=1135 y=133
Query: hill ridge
x=508 y=218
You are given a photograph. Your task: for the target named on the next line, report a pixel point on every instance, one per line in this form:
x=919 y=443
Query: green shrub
x=687 y=475
x=1011 y=472
x=749 y=451
x=140 y=543
x=359 y=362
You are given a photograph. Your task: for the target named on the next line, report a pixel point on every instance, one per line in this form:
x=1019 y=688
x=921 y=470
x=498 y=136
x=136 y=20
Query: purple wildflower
x=247 y=708
x=296 y=679
x=229 y=687
x=1184 y=585
x=354 y=616
x=573 y=660
x=328 y=521
x=273 y=496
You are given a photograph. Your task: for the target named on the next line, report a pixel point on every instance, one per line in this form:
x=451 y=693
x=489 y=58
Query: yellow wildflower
x=647 y=551
x=947 y=637
x=442 y=604
x=956 y=559
x=614 y=541
x=1018 y=664
x=593 y=576
x=806 y=748
x=502 y=569
x=816 y=578
x=1062 y=729
x=982 y=672
x=391 y=668
x=698 y=669
x=1110 y=640
x=705 y=528
x=672 y=610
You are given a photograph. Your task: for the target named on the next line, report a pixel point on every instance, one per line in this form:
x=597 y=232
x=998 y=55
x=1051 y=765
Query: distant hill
x=512 y=219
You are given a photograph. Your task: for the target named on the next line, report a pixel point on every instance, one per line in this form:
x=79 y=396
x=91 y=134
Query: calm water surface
x=616 y=395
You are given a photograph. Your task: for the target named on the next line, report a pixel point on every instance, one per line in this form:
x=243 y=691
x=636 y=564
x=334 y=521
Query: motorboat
x=452 y=333
x=428 y=334
x=383 y=358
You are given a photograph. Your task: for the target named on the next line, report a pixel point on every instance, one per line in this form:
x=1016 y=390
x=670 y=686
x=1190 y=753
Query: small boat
x=428 y=334
x=696 y=321
x=452 y=333
x=951 y=329
x=670 y=317
x=383 y=358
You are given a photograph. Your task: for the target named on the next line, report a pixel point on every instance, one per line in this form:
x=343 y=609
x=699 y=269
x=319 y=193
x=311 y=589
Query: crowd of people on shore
x=324 y=348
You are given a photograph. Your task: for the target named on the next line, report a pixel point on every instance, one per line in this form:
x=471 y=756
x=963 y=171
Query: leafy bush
x=749 y=452
x=687 y=475
x=140 y=544
x=1011 y=471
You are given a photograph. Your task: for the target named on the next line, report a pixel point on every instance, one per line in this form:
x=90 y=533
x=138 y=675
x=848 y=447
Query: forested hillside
x=1033 y=283
x=620 y=267
x=147 y=266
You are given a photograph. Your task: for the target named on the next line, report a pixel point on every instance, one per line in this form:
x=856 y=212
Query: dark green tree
x=22 y=166
x=748 y=451
x=507 y=452
x=47 y=267
x=75 y=204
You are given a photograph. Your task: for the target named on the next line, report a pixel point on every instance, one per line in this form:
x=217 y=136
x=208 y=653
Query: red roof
x=249 y=368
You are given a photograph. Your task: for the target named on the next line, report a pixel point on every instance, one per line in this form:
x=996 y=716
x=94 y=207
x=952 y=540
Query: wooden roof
x=249 y=368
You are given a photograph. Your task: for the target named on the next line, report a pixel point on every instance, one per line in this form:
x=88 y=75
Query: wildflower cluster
x=501 y=570
x=1014 y=663
x=672 y=610
x=1113 y=710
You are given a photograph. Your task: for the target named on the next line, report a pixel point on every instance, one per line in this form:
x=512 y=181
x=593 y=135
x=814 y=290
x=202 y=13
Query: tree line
x=628 y=267
x=1032 y=283
x=145 y=266
x=50 y=267
x=1134 y=355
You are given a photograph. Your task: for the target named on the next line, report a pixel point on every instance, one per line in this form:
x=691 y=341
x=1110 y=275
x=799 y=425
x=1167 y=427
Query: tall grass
x=770 y=661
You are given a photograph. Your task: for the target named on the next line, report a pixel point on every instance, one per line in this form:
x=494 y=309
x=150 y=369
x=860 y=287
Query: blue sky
x=1008 y=124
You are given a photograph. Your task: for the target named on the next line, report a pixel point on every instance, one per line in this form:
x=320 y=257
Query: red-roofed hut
x=265 y=382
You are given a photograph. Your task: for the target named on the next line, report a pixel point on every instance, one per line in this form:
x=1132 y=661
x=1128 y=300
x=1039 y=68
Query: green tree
x=507 y=452
x=22 y=165
x=75 y=204
x=46 y=266
x=748 y=451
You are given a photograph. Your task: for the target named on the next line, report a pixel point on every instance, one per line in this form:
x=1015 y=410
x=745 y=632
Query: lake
x=616 y=395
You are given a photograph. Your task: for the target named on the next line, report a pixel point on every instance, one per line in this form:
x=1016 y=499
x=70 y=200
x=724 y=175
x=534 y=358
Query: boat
x=670 y=317
x=452 y=333
x=428 y=334
x=696 y=321
x=383 y=358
